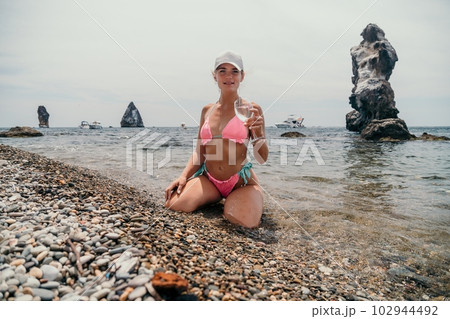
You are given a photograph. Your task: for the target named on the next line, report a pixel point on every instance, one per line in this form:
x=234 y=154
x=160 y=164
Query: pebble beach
x=69 y=233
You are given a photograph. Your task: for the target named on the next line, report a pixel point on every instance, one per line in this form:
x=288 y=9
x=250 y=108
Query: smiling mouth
x=228 y=83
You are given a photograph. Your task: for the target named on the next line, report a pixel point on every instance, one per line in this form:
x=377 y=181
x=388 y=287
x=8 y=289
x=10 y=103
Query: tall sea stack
x=43 y=116
x=132 y=117
x=374 y=114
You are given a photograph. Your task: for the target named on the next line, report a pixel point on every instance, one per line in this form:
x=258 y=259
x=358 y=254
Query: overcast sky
x=52 y=53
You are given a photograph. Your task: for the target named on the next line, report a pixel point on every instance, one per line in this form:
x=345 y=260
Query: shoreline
x=43 y=202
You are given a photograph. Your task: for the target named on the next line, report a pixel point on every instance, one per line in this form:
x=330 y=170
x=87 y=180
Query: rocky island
x=372 y=98
x=43 y=116
x=131 y=117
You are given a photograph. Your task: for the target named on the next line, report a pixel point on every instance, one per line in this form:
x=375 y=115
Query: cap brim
x=232 y=63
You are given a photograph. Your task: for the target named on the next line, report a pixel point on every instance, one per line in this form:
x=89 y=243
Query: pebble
x=17 y=262
x=21 y=270
x=42 y=255
x=305 y=291
x=49 y=272
x=112 y=236
x=50 y=285
x=32 y=283
x=24 y=298
x=100 y=294
x=36 y=272
x=139 y=280
x=325 y=270
x=138 y=292
x=37 y=250
x=44 y=294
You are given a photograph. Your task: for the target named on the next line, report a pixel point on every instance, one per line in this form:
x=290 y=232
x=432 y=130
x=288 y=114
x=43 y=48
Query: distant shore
x=43 y=202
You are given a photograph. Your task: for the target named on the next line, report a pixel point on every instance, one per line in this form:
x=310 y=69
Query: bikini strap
x=245 y=172
x=200 y=171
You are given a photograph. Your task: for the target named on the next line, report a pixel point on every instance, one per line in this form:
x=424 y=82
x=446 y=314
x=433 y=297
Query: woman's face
x=228 y=77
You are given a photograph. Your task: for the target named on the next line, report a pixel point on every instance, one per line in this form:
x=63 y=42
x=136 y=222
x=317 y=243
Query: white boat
x=95 y=125
x=84 y=124
x=291 y=122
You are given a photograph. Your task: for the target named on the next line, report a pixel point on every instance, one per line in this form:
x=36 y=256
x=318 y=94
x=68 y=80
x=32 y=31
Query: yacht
x=84 y=124
x=95 y=125
x=291 y=122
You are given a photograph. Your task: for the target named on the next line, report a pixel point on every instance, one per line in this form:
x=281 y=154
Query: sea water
x=389 y=200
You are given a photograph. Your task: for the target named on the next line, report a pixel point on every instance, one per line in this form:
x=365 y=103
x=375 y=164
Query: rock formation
x=43 y=116
x=132 y=117
x=21 y=131
x=372 y=96
x=293 y=134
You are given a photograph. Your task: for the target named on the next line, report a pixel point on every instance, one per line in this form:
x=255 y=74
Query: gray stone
x=305 y=291
x=112 y=236
x=13 y=282
x=37 y=250
x=102 y=262
x=44 y=294
x=325 y=270
x=139 y=280
x=138 y=292
x=24 y=298
x=32 y=283
x=3 y=287
x=49 y=272
x=85 y=259
x=101 y=249
x=100 y=294
x=64 y=290
x=118 y=250
x=6 y=274
x=50 y=285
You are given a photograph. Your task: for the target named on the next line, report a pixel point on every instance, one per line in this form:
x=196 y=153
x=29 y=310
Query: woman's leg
x=197 y=192
x=244 y=206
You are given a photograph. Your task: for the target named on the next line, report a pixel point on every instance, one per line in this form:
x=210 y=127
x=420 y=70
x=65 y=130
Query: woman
x=218 y=168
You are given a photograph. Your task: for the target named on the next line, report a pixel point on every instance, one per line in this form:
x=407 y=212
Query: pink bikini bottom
x=225 y=187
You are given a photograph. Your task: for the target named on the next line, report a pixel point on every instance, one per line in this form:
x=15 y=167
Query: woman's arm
x=195 y=161
x=258 y=132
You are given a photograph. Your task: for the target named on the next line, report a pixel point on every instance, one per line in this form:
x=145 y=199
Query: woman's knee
x=177 y=204
x=248 y=218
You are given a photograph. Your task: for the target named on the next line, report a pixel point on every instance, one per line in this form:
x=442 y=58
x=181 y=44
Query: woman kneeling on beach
x=218 y=168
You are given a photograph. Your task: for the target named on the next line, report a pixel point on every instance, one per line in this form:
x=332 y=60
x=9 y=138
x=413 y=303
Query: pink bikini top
x=235 y=130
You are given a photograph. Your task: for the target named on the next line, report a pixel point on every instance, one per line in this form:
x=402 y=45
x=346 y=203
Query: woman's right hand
x=177 y=185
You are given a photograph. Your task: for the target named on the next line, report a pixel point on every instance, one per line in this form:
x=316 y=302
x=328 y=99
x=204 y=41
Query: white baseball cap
x=229 y=57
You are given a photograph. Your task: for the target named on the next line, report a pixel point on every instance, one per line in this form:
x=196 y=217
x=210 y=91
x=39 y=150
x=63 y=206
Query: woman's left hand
x=256 y=122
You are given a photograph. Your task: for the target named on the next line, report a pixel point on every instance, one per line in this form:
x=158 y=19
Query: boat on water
x=291 y=122
x=183 y=125
x=84 y=124
x=95 y=125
